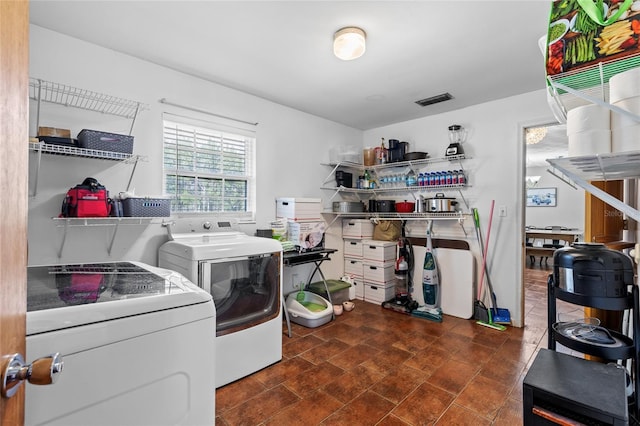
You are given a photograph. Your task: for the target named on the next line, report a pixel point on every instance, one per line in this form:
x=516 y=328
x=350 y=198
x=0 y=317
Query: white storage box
x=377 y=293
x=357 y=228
x=380 y=274
x=383 y=252
x=353 y=248
x=358 y=285
x=306 y=235
x=299 y=209
x=353 y=267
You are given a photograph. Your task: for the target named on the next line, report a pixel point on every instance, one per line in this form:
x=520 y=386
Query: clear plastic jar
x=410 y=178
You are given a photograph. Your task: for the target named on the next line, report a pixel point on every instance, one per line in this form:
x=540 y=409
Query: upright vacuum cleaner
x=430 y=285
x=403 y=302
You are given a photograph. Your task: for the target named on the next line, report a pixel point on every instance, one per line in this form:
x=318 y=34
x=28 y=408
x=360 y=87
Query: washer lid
x=219 y=245
x=64 y=296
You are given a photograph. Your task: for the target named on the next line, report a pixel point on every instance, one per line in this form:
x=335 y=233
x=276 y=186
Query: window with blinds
x=208 y=169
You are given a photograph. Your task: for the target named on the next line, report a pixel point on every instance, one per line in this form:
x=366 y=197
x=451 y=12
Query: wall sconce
x=349 y=43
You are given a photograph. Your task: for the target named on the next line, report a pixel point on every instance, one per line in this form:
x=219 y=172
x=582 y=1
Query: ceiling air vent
x=435 y=99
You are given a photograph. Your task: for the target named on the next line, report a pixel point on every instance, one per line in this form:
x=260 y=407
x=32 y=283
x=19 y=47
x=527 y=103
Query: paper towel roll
x=625 y=138
x=630 y=104
x=588 y=117
x=591 y=142
x=624 y=85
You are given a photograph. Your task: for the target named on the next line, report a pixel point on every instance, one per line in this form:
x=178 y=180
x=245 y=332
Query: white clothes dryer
x=244 y=275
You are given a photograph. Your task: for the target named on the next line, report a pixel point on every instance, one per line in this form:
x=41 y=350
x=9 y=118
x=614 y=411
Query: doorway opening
x=549 y=205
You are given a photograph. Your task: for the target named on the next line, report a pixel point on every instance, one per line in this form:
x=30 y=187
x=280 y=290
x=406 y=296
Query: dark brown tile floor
x=376 y=367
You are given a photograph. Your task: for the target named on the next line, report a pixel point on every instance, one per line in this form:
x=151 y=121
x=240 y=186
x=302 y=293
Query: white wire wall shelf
x=616 y=166
x=68 y=96
x=590 y=85
x=62 y=94
x=74 y=151
x=115 y=222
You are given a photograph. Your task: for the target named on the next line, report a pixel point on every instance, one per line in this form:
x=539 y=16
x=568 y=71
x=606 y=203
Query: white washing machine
x=244 y=276
x=135 y=341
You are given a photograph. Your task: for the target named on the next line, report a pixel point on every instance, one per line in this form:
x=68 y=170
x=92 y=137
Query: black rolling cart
x=591 y=275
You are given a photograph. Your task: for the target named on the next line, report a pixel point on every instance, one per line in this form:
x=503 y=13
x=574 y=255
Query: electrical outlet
x=502 y=211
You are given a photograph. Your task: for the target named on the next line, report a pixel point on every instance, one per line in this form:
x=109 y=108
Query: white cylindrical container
x=588 y=130
x=588 y=117
x=589 y=143
x=624 y=85
x=624 y=92
x=625 y=130
x=625 y=138
x=620 y=120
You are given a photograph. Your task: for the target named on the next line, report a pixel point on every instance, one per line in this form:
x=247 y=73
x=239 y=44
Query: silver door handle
x=42 y=371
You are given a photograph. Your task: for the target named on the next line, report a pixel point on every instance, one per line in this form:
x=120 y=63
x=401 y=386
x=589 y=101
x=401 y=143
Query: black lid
x=596 y=254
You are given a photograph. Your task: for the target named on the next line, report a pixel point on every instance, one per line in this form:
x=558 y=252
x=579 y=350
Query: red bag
x=81 y=288
x=89 y=199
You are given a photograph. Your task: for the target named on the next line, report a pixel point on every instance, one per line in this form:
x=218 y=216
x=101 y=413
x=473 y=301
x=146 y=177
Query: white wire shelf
x=589 y=84
x=400 y=189
x=402 y=216
x=411 y=163
x=115 y=222
x=61 y=94
x=600 y=166
x=582 y=170
x=82 y=152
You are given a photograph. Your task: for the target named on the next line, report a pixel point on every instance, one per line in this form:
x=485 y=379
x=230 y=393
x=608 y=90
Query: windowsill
x=218 y=216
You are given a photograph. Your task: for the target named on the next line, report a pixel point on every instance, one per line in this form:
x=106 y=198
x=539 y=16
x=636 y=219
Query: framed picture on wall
x=542 y=197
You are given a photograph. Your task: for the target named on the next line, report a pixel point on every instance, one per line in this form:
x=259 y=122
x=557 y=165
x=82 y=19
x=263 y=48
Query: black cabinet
x=611 y=346
x=563 y=389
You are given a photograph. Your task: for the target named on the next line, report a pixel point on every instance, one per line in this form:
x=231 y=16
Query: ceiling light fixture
x=533 y=135
x=349 y=43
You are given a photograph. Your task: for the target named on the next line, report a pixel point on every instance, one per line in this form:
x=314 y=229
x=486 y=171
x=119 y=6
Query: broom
x=500 y=315
x=489 y=323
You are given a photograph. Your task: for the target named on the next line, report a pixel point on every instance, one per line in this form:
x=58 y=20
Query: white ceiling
x=477 y=51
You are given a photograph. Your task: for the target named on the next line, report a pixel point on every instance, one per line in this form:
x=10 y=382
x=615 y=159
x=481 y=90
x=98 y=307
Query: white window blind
x=208 y=169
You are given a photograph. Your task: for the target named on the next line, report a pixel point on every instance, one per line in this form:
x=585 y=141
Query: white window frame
x=224 y=132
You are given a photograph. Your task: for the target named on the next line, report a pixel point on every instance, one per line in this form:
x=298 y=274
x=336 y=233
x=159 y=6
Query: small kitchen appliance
x=592 y=269
x=440 y=204
x=457 y=136
x=344 y=179
x=396 y=151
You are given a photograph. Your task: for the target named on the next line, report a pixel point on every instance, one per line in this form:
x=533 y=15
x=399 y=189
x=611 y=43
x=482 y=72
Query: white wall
x=290 y=146
x=570 y=209
x=495 y=171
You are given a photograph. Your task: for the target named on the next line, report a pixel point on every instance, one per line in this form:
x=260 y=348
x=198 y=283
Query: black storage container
x=103 y=141
x=591 y=269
